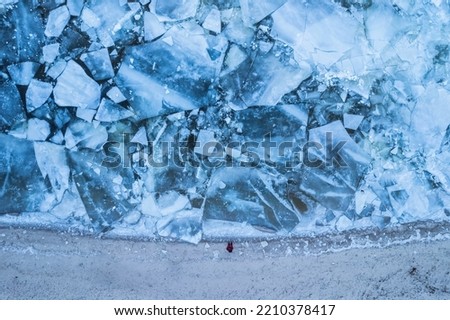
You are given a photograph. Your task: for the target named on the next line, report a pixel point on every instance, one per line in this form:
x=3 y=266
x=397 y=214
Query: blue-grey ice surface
x=213 y=118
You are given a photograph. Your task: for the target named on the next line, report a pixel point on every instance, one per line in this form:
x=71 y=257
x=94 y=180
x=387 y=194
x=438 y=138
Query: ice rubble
x=163 y=117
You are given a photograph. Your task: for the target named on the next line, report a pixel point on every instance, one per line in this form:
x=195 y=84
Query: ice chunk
x=90 y=18
x=22 y=73
x=57 y=21
x=212 y=21
x=158 y=78
x=380 y=221
x=171 y=202
x=11 y=108
x=37 y=94
x=343 y=223
x=22 y=187
x=237 y=32
x=58 y=67
x=149 y=206
x=245 y=195
x=57 y=138
x=352 y=121
x=52 y=162
x=175 y=9
x=127 y=20
x=152 y=27
x=184 y=225
x=254 y=11
x=132 y=217
x=140 y=137
x=109 y=111
x=99 y=64
x=147 y=96
x=38 y=130
x=86 y=114
x=75 y=7
x=73 y=41
x=206 y=142
x=115 y=95
x=50 y=52
x=70 y=207
x=75 y=89
x=103 y=203
x=235 y=56
x=86 y=135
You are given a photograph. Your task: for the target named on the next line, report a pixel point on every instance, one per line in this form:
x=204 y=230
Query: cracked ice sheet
x=430 y=118
x=52 y=162
x=103 y=196
x=321 y=32
x=173 y=73
x=263 y=81
x=391 y=53
x=175 y=9
x=244 y=195
x=22 y=187
x=255 y=11
x=333 y=182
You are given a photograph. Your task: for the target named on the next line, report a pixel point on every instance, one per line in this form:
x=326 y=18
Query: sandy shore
x=50 y=265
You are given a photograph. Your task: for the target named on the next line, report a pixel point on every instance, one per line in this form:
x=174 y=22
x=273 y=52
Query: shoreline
x=40 y=264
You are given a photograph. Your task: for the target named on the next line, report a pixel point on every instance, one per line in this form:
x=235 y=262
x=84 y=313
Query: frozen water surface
x=211 y=118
